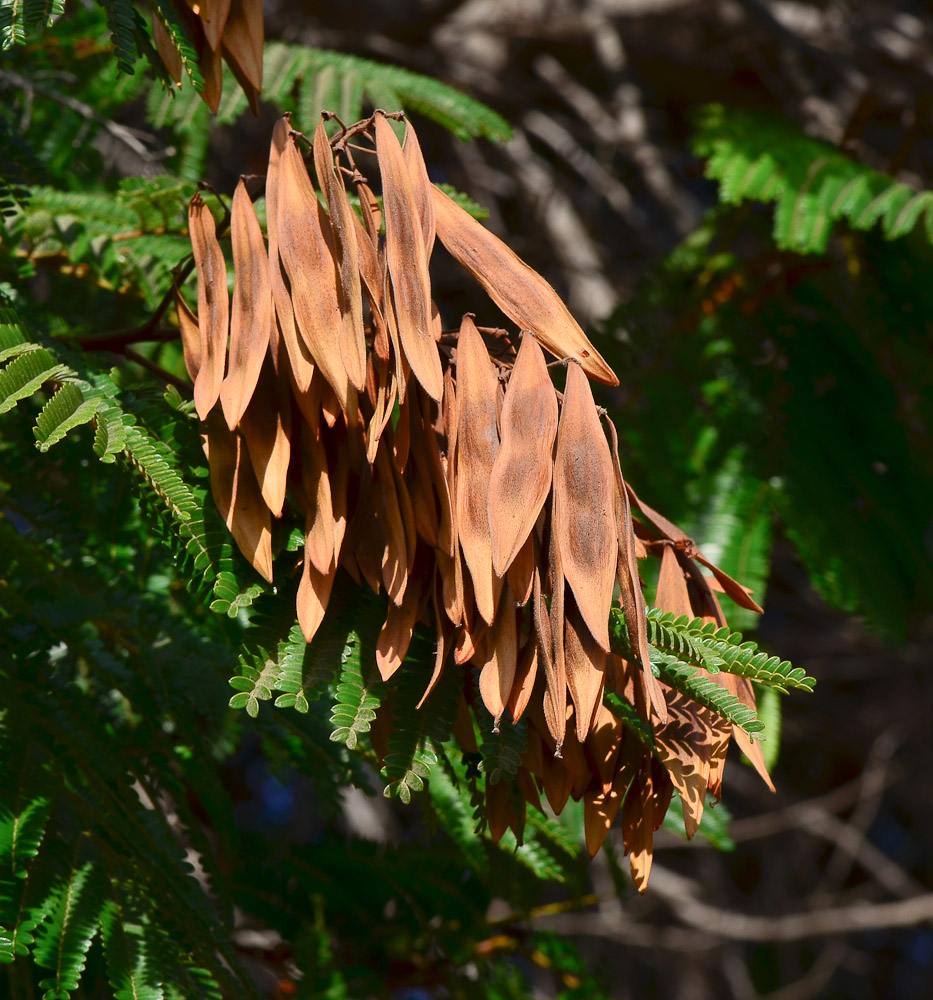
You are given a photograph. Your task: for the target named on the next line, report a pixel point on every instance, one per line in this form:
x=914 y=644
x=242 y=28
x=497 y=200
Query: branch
x=715 y=922
x=121 y=133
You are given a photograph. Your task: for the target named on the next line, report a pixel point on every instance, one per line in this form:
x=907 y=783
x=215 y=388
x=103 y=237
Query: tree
x=103 y=812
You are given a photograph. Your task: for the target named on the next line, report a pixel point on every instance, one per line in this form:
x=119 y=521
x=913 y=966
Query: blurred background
x=776 y=403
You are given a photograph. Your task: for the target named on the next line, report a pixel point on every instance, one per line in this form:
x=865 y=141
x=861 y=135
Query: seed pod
x=525 y=675
x=311 y=270
x=267 y=427
x=351 y=341
x=520 y=292
x=497 y=669
x=251 y=318
x=519 y=574
x=669 y=530
x=313 y=595
x=443 y=645
x=395 y=635
x=190 y=336
x=315 y=477
x=389 y=514
x=212 y=69
x=407 y=262
x=300 y=360
x=633 y=603
x=477 y=445
x=586 y=670
x=213 y=307
x=584 y=508
x=213 y=16
x=521 y=476
x=600 y=808
x=169 y=54
x=421 y=186
x=237 y=495
x=243 y=38
x=547 y=623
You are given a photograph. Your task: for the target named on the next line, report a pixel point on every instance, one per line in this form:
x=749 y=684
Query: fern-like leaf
x=503 y=746
x=756 y=157
x=704 y=691
x=68 y=408
x=125 y=952
x=62 y=943
x=26 y=373
x=411 y=752
x=121 y=19
x=177 y=32
x=13 y=338
x=356 y=698
x=723 y=649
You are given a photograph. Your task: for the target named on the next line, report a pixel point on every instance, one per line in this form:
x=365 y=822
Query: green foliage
x=813 y=183
x=417 y=732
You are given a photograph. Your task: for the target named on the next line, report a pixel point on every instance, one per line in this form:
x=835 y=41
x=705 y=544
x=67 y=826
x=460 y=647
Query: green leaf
x=67 y=409
x=25 y=374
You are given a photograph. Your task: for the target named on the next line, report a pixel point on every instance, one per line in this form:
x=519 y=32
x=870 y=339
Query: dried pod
x=586 y=670
x=584 y=508
x=237 y=495
x=313 y=595
x=477 y=446
x=520 y=292
x=251 y=317
x=351 y=341
x=300 y=360
x=243 y=39
x=213 y=307
x=311 y=270
x=267 y=427
x=407 y=262
x=213 y=15
x=212 y=69
x=166 y=49
x=395 y=635
x=630 y=595
x=499 y=660
x=190 y=336
x=421 y=187
x=525 y=676
x=521 y=476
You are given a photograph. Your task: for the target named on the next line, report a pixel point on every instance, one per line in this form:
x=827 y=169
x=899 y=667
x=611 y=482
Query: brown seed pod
x=477 y=446
x=630 y=595
x=520 y=292
x=213 y=15
x=299 y=357
x=421 y=187
x=499 y=660
x=407 y=262
x=586 y=670
x=237 y=495
x=584 y=508
x=267 y=427
x=347 y=258
x=190 y=336
x=521 y=476
x=213 y=307
x=243 y=39
x=311 y=270
x=251 y=317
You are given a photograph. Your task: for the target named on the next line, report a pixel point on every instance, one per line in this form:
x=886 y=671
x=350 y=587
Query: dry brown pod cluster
x=443 y=468
x=230 y=31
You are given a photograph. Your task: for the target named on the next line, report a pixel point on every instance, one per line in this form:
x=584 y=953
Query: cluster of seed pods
x=444 y=469
x=220 y=31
